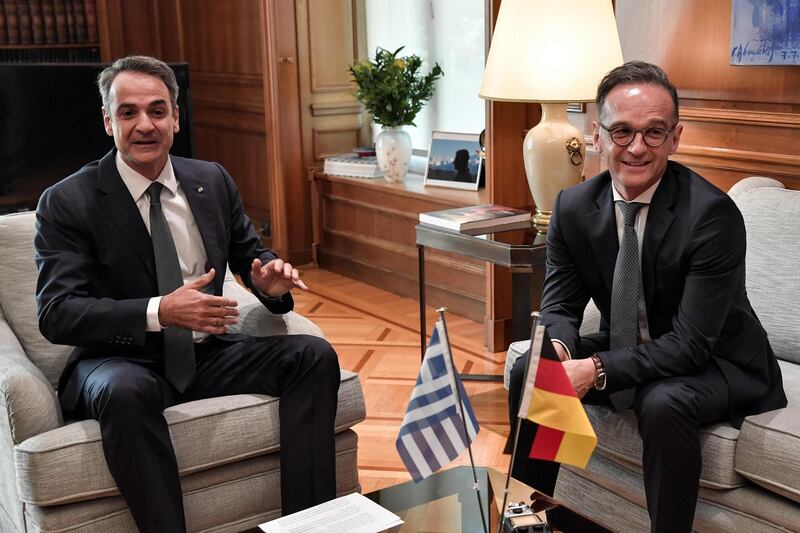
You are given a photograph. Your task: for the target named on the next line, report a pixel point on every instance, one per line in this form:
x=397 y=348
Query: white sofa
x=53 y=476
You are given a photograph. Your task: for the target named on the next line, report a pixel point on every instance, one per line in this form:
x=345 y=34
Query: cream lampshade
x=553 y=52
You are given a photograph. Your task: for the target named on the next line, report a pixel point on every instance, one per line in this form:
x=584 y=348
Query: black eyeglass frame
x=633 y=138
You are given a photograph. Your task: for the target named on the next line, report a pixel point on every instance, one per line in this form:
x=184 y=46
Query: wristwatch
x=599 y=373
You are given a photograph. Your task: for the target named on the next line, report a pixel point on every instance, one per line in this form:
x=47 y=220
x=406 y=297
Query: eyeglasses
x=652 y=137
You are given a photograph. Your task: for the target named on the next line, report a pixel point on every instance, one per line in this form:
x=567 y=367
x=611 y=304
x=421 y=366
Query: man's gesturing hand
x=188 y=308
x=276 y=278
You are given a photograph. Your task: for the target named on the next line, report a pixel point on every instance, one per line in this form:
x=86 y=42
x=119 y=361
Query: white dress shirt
x=639 y=224
x=188 y=242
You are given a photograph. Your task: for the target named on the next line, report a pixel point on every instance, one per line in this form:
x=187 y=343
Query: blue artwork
x=765 y=32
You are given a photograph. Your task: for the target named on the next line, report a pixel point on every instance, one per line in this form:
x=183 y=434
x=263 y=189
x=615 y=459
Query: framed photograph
x=454 y=160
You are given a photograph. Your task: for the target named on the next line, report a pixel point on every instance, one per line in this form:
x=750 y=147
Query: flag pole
x=535 y=323
x=476 y=485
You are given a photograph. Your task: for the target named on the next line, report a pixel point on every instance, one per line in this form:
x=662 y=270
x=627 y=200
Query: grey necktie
x=624 y=327
x=178 y=345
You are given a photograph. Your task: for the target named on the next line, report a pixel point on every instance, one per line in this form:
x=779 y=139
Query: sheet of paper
x=353 y=513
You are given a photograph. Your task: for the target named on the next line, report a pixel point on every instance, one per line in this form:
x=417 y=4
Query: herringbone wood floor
x=376 y=333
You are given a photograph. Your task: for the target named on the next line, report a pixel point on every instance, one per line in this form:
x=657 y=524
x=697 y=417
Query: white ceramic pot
x=393 y=150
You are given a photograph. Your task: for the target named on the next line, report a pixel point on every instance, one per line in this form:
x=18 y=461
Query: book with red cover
x=91 y=21
x=3 y=31
x=475 y=217
x=60 y=14
x=80 y=21
x=37 y=22
x=24 y=18
x=12 y=21
x=49 y=18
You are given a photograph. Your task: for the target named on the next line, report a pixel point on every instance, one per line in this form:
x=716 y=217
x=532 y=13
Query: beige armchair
x=53 y=476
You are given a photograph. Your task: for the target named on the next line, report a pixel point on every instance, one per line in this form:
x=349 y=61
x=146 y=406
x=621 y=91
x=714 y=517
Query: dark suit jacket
x=693 y=272
x=96 y=265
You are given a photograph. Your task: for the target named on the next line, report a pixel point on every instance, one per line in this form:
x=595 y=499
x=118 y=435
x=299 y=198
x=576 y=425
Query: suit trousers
x=669 y=411
x=127 y=397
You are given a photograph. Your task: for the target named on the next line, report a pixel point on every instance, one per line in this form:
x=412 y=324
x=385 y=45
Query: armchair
x=53 y=475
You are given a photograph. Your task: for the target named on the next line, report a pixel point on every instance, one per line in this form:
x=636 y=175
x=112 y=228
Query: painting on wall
x=765 y=32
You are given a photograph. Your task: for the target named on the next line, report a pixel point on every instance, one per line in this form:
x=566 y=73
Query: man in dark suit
x=651 y=241
x=132 y=252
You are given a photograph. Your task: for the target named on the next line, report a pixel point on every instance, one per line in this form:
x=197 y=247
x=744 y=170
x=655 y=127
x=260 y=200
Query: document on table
x=353 y=513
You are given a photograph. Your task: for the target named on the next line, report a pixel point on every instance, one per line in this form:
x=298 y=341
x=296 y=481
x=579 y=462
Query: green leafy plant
x=392 y=88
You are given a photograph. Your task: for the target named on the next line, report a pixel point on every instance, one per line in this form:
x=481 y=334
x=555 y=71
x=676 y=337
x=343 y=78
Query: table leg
x=423 y=327
x=520 y=305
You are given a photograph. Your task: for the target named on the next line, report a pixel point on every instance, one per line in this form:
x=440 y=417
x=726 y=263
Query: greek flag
x=432 y=433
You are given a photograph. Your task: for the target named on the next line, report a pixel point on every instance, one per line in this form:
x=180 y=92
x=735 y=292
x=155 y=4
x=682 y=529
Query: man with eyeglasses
x=661 y=252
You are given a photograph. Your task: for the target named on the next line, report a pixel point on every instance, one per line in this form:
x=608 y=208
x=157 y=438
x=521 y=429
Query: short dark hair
x=144 y=64
x=634 y=72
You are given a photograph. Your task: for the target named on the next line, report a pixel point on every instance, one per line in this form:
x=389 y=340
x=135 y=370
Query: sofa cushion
x=772 y=216
x=614 y=496
x=67 y=464
x=18 y=295
x=618 y=440
x=233 y=497
x=769 y=442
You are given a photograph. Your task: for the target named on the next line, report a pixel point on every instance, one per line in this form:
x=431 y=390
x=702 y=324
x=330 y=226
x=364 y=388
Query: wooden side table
x=517 y=247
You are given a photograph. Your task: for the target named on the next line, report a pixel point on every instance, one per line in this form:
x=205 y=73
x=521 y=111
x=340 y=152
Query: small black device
x=519 y=518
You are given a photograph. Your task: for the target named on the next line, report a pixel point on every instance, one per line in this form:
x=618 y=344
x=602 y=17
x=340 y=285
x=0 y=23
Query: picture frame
x=454 y=160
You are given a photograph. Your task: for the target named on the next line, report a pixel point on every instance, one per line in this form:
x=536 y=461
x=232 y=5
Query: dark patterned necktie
x=624 y=327
x=178 y=345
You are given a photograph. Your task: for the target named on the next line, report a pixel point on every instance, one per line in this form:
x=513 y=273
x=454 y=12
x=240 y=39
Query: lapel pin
x=200 y=189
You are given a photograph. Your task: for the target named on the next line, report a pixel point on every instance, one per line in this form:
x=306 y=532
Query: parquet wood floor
x=376 y=333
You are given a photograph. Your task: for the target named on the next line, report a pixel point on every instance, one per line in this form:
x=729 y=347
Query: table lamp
x=553 y=52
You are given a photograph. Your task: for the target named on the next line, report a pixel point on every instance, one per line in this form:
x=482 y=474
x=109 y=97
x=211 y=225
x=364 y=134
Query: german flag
x=564 y=434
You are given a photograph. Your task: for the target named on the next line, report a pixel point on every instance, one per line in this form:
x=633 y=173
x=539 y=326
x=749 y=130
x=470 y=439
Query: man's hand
x=581 y=374
x=188 y=308
x=276 y=278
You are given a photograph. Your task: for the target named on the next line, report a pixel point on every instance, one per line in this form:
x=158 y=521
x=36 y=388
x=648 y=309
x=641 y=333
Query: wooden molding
x=280 y=234
x=746 y=156
x=319 y=152
x=413 y=217
x=218 y=103
x=323 y=109
x=252 y=80
x=316 y=86
x=735 y=116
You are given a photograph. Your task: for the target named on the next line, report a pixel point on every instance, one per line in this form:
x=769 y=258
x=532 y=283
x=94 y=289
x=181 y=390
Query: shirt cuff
x=569 y=355
x=269 y=298
x=152 y=315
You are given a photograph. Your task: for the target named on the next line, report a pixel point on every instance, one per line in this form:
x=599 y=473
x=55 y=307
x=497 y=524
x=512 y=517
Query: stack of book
x=48 y=22
x=475 y=217
x=353 y=166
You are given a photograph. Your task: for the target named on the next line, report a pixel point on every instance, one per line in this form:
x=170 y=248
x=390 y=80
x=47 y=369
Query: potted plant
x=393 y=90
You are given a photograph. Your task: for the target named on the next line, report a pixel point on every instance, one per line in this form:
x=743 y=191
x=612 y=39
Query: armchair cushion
x=618 y=440
x=67 y=464
x=771 y=214
x=769 y=442
x=17 y=290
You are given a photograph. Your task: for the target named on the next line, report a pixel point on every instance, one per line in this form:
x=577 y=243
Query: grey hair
x=634 y=72
x=145 y=65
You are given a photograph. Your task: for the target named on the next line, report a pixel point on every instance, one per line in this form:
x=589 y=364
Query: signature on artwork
x=754 y=49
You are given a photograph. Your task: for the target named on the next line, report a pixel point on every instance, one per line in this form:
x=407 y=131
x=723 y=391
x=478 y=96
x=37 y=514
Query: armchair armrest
x=28 y=403
x=256 y=320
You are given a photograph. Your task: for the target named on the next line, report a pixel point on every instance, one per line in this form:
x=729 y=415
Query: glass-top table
x=446 y=502
x=517 y=247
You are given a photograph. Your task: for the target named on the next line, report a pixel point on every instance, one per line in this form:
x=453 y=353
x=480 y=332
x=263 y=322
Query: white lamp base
x=553 y=152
